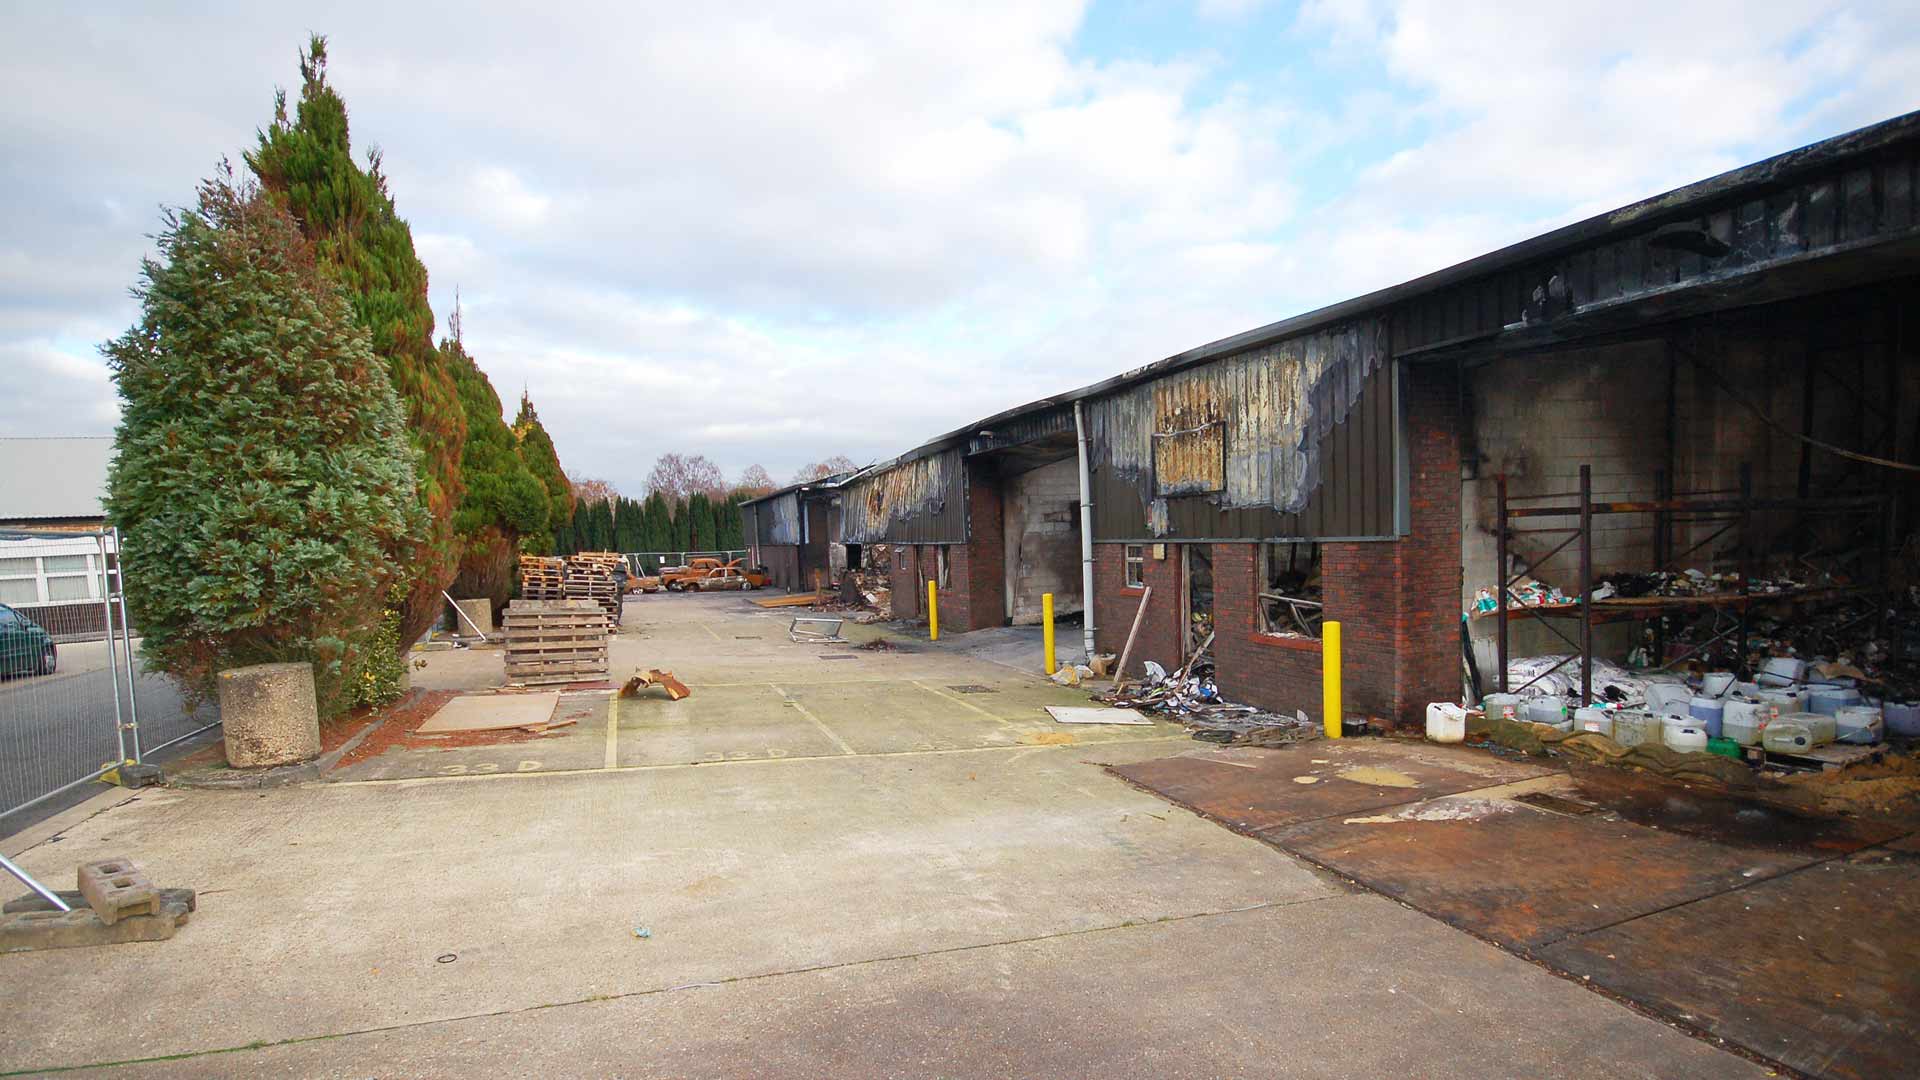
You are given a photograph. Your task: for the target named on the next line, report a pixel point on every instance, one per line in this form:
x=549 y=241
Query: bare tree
x=586 y=490
x=756 y=480
x=678 y=476
x=838 y=463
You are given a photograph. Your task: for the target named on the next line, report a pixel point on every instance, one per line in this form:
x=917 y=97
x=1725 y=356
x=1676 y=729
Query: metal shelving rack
x=1730 y=509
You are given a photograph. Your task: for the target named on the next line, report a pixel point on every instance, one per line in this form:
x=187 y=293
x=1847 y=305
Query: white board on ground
x=490 y=712
x=1077 y=714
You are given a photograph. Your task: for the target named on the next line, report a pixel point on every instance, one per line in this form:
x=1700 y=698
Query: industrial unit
x=1745 y=335
x=795 y=533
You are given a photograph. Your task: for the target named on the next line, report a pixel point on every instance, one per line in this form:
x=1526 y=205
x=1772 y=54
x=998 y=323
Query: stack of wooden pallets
x=542 y=578
x=599 y=576
x=556 y=641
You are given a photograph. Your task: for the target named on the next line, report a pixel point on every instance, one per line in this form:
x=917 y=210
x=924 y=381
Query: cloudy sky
x=844 y=226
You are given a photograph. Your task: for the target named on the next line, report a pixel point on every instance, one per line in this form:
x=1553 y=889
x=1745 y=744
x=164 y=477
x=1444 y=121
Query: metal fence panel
x=75 y=695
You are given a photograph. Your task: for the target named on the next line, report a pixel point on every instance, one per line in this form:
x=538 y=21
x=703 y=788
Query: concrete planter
x=477 y=613
x=269 y=714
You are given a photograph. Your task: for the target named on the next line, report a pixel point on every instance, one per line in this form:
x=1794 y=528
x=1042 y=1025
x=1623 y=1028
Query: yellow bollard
x=1330 y=678
x=933 y=611
x=1046 y=620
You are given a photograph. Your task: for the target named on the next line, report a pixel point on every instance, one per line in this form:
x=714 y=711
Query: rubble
x=1192 y=697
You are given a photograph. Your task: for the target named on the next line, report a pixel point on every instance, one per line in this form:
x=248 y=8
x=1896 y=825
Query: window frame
x=42 y=579
x=1271 y=620
x=1133 y=557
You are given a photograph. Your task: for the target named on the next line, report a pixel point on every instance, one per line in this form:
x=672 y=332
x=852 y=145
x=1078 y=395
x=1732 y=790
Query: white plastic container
x=1668 y=699
x=1743 y=720
x=1631 y=728
x=1820 y=727
x=1716 y=683
x=1787 y=737
x=1783 y=701
x=1829 y=700
x=1686 y=736
x=1903 y=717
x=1708 y=712
x=1858 y=724
x=1547 y=710
x=1599 y=721
x=1446 y=722
x=1782 y=671
x=1507 y=705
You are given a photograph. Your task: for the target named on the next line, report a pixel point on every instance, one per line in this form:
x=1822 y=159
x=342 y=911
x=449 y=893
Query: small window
x=69 y=587
x=68 y=564
x=1136 y=566
x=19 y=590
x=1290 y=590
x=17 y=567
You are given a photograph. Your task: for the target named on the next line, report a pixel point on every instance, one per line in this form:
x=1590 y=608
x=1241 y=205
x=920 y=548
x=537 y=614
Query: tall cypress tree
x=682 y=529
x=307 y=165
x=504 y=500
x=700 y=522
x=535 y=448
x=261 y=473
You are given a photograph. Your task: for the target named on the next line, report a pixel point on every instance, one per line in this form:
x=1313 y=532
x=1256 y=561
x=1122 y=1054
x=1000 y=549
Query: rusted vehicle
x=731 y=576
x=677 y=577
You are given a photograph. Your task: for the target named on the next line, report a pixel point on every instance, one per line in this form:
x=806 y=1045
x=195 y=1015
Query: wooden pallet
x=555 y=641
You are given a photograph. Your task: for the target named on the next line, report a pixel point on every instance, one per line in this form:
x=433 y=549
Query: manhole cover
x=838 y=656
x=972 y=688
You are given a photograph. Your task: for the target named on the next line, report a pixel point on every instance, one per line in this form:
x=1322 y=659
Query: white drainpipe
x=1086 y=532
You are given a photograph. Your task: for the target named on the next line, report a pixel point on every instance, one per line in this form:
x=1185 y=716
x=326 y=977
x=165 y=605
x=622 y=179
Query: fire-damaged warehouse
x=1681 y=425
x=795 y=533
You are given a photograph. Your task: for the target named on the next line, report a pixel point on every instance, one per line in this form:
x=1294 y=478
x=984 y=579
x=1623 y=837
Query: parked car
x=730 y=576
x=25 y=648
x=679 y=577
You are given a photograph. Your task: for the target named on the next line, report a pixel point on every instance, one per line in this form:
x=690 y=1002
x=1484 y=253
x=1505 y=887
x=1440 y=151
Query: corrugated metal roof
x=48 y=479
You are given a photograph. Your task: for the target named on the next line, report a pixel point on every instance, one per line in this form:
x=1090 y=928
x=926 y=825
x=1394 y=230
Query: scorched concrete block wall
x=1042 y=539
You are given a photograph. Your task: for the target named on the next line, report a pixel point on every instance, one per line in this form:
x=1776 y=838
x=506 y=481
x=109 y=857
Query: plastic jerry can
x=1599 y=721
x=1446 y=722
x=1820 y=727
x=1743 y=720
x=1787 y=737
x=1507 y=705
x=1707 y=711
x=1686 y=736
x=1631 y=728
x=1858 y=724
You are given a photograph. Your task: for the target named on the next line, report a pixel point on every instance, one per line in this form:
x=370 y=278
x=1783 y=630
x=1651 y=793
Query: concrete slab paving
x=324 y=908
x=1339 y=986
x=491 y=712
x=847 y=868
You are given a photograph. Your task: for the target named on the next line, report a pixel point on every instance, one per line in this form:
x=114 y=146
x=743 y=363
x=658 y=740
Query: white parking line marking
x=808 y=713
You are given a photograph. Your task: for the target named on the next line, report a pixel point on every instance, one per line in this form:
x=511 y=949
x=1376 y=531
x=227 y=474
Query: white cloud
x=849 y=226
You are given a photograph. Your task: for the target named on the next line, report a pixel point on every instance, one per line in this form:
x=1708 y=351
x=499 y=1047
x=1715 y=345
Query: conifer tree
x=535 y=447
x=306 y=163
x=262 y=477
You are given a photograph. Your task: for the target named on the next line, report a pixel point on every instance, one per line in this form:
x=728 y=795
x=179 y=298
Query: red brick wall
x=1281 y=674
x=1429 y=624
x=980 y=569
x=1115 y=605
x=975 y=597
x=1398 y=601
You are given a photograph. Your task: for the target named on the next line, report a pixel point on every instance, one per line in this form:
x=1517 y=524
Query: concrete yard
x=852 y=867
